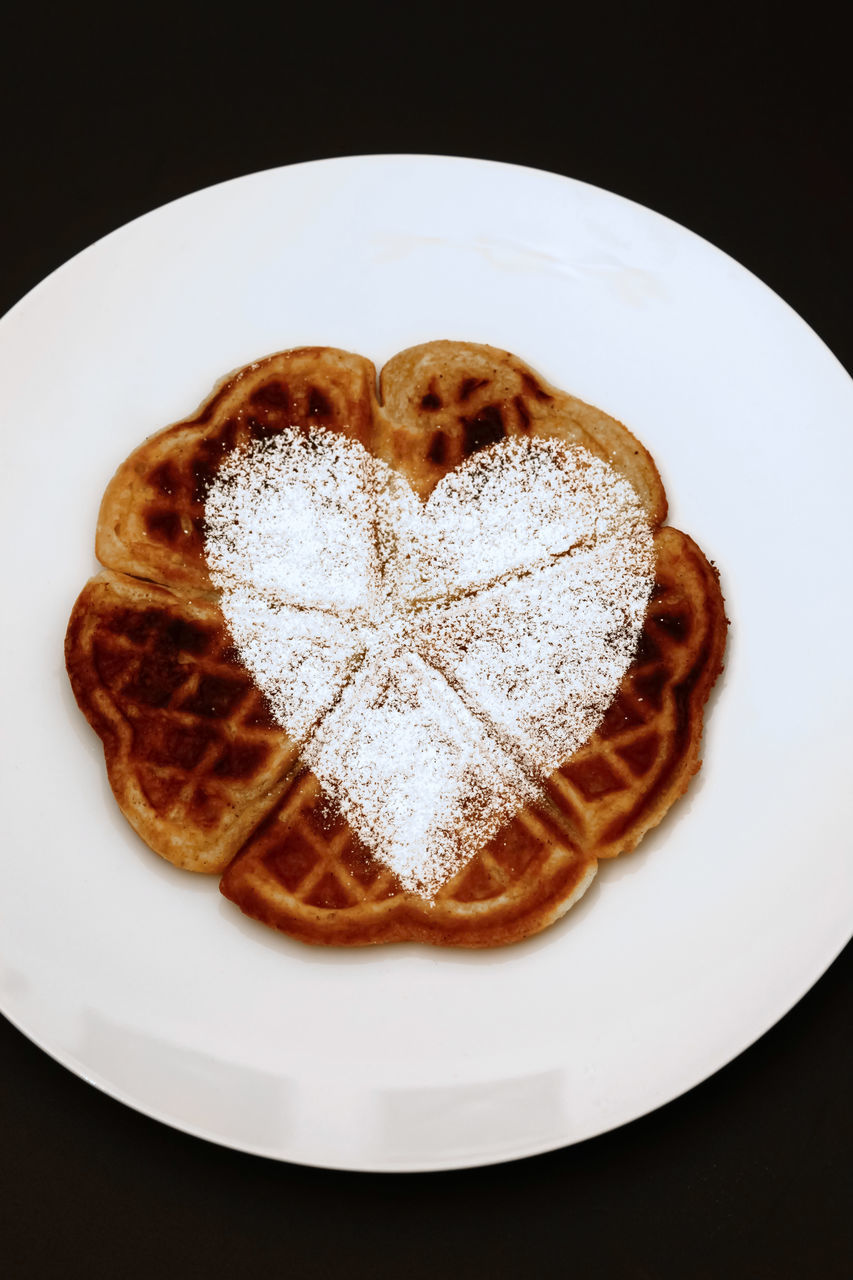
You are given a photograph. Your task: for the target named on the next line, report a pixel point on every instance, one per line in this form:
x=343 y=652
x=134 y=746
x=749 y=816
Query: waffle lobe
x=210 y=781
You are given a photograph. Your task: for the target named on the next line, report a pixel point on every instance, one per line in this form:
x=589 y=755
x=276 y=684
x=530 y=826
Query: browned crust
x=689 y=695
x=115 y=683
x=532 y=897
x=150 y=523
x=407 y=918
x=466 y=395
x=568 y=837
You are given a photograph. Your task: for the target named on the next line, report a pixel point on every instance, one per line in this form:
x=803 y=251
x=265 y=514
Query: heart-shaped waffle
x=215 y=777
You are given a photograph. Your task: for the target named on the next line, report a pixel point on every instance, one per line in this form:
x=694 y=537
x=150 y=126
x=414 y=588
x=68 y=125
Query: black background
x=737 y=125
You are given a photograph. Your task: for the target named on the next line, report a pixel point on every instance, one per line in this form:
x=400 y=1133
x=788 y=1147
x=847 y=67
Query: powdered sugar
x=416 y=773
x=433 y=661
x=292 y=518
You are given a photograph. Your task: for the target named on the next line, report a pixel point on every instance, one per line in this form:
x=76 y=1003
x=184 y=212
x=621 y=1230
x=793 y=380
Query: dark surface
x=740 y=130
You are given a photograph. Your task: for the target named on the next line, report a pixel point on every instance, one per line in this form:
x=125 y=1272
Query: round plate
x=141 y=978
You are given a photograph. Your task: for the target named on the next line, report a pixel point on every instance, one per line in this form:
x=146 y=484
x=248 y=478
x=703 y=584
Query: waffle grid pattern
x=597 y=791
x=189 y=739
x=302 y=866
x=305 y=872
x=152 y=516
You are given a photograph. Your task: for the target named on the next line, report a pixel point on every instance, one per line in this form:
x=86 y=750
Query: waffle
x=210 y=781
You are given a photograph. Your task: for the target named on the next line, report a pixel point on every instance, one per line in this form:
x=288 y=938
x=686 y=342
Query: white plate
x=141 y=978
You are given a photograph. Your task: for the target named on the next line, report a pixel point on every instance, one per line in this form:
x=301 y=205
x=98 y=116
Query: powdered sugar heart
x=434 y=661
